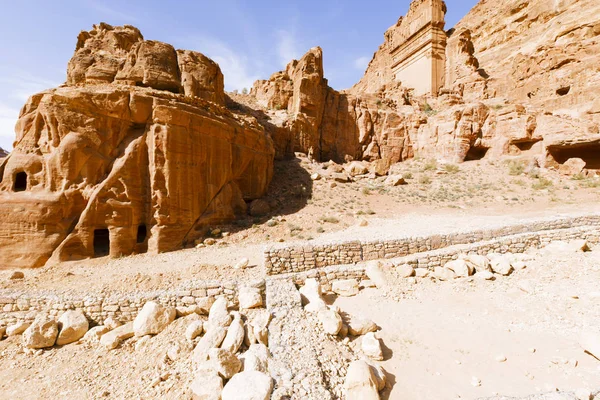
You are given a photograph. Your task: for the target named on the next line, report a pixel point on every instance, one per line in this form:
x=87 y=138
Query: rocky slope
x=135 y=153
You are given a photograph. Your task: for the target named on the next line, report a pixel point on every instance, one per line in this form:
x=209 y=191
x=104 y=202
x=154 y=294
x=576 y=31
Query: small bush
x=407 y=175
x=366 y=191
x=320 y=229
x=542 y=183
x=451 y=168
x=330 y=220
x=515 y=168
x=425 y=180
x=430 y=165
x=591 y=183
x=578 y=177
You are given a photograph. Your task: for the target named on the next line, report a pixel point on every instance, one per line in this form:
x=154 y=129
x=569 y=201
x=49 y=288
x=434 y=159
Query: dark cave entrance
x=476 y=153
x=101 y=242
x=588 y=152
x=20 y=184
x=142 y=234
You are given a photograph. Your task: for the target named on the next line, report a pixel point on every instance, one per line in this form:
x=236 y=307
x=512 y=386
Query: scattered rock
x=363 y=223
x=311 y=294
x=113 y=339
x=379 y=374
x=219 y=315
x=501 y=265
x=371 y=346
x=94 y=334
x=194 y=329
x=501 y=358
x=41 y=334
x=526 y=286
x=485 y=275
x=360 y=326
x=316 y=176
x=460 y=268
x=346 y=288
x=477 y=262
x=443 y=274
x=572 y=166
x=235 y=335
x=224 y=362
x=250 y=297
x=17 y=329
x=152 y=319
x=212 y=339
x=360 y=383
x=395 y=180
x=356 y=168
x=256 y=358
x=405 y=271
x=248 y=385
x=331 y=321
x=2 y=332
x=421 y=272
x=73 y=325
x=242 y=264
x=518 y=265
x=110 y=323
x=259 y=208
x=376 y=273
x=17 y=275
x=475 y=381
x=207 y=385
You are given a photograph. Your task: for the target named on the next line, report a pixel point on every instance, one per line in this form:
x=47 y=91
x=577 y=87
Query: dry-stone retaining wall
x=25 y=305
x=438 y=258
x=281 y=259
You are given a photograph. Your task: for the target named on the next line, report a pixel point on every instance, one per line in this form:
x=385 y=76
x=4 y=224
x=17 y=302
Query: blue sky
x=249 y=39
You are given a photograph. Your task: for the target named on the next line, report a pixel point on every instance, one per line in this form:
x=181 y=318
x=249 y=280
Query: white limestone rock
x=460 y=268
x=501 y=265
x=371 y=346
x=331 y=321
x=250 y=297
x=235 y=335
x=113 y=339
x=311 y=296
x=360 y=383
x=218 y=315
x=153 y=319
x=207 y=385
x=477 y=262
x=17 y=328
x=346 y=287
x=360 y=326
x=224 y=362
x=212 y=339
x=248 y=385
x=194 y=329
x=95 y=333
x=256 y=358
x=41 y=333
x=72 y=326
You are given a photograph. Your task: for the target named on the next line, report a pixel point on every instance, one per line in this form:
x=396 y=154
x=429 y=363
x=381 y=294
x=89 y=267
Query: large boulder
x=250 y=297
x=151 y=64
x=212 y=339
x=235 y=335
x=360 y=326
x=200 y=76
x=460 y=267
x=73 y=325
x=371 y=346
x=248 y=385
x=360 y=383
x=224 y=362
x=218 y=314
x=256 y=358
x=346 y=287
x=113 y=339
x=311 y=296
x=207 y=385
x=330 y=320
x=152 y=319
x=41 y=334
x=17 y=328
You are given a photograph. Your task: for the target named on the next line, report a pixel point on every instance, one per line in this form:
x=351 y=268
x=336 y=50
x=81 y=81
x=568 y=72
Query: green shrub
x=451 y=168
x=542 y=183
x=424 y=180
x=430 y=165
x=515 y=168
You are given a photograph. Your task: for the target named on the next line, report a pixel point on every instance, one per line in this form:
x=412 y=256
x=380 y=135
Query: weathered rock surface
x=93 y=170
x=212 y=339
x=346 y=288
x=235 y=335
x=152 y=319
x=224 y=362
x=311 y=296
x=194 y=329
x=360 y=383
x=207 y=385
x=250 y=297
x=331 y=321
x=72 y=326
x=218 y=315
x=17 y=328
x=248 y=385
x=41 y=334
x=113 y=339
x=371 y=346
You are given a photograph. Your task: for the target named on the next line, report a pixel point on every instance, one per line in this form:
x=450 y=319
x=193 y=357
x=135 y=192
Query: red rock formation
x=117 y=169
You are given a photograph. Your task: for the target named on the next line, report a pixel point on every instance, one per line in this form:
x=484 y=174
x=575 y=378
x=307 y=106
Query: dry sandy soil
x=441 y=336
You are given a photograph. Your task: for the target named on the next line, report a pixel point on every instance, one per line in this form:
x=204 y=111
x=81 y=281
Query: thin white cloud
x=287 y=48
x=111 y=12
x=361 y=63
x=8 y=119
x=236 y=66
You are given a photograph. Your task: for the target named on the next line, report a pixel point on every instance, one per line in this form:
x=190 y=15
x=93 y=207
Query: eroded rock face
x=117 y=169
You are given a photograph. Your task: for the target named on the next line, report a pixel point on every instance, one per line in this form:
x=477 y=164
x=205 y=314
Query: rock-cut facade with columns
x=419 y=59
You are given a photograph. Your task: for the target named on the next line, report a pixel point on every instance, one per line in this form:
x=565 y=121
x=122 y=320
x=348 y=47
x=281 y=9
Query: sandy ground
x=439 y=337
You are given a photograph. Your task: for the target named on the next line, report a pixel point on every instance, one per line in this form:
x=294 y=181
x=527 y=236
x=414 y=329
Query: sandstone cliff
x=135 y=153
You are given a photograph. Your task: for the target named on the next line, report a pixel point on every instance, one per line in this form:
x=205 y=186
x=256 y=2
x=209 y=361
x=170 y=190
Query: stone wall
x=438 y=258
x=25 y=305
x=282 y=259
